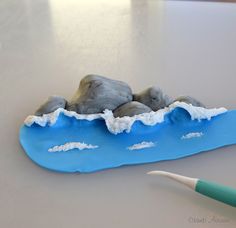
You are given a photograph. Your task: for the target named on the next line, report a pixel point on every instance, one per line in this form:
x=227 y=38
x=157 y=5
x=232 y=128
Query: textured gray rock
x=153 y=97
x=130 y=109
x=52 y=104
x=190 y=100
x=97 y=93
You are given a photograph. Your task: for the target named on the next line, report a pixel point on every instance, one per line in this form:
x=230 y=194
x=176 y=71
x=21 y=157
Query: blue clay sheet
x=113 y=149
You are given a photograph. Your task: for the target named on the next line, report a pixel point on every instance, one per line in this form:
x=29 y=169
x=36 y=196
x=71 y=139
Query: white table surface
x=46 y=47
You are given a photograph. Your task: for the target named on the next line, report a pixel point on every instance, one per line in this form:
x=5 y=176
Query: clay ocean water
x=106 y=125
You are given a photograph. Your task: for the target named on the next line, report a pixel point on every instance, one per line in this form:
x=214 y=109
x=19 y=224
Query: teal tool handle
x=216 y=191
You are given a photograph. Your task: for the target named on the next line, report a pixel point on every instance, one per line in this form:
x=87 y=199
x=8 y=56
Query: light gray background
x=46 y=47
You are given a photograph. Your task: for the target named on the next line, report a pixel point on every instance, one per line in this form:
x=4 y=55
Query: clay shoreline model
x=97 y=93
x=107 y=125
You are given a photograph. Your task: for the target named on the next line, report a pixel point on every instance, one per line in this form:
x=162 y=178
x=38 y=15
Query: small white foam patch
x=71 y=146
x=192 y=135
x=118 y=125
x=141 y=145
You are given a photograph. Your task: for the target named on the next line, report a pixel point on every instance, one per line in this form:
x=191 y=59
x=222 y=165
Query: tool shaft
x=213 y=190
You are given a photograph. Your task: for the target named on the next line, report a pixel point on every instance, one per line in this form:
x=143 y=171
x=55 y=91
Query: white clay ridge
x=192 y=135
x=120 y=124
x=141 y=145
x=71 y=146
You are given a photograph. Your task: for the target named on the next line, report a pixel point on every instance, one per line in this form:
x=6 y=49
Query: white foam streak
x=141 y=145
x=192 y=135
x=71 y=146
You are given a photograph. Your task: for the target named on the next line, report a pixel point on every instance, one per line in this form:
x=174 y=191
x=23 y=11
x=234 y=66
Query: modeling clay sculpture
x=106 y=125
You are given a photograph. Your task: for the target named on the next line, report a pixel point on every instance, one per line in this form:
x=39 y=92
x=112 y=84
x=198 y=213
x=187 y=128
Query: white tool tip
x=157 y=172
x=190 y=182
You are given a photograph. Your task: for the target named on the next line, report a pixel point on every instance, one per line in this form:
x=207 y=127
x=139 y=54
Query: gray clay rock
x=190 y=100
x=130 y=109
x=97 y=93
x=153 y=97
x=52 y=104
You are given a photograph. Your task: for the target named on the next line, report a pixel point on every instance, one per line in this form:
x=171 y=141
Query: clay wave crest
x=121 y=124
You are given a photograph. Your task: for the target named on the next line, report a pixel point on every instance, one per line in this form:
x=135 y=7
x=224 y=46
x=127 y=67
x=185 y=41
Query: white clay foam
x=192 y=135
x=141 y=145
x=71 y=146
x=118 y=125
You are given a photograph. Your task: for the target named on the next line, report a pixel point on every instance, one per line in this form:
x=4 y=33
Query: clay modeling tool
x=213 y=190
